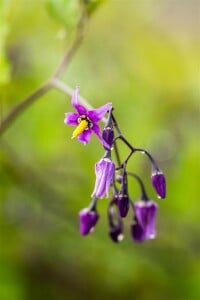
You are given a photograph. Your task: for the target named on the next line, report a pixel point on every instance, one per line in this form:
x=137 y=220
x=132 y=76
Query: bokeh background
x=144 y=57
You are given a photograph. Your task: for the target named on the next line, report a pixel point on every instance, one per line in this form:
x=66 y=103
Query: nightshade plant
x=114 y=177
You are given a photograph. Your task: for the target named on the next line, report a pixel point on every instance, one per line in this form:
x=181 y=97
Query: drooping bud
x=108 y=133
x=116 y=233
x=123 y=205
x=137 y=233
x=88 y=220
x=115 y=222
x=143 y=227
x=123 y=202
x=105 y=170
x=108 y=136
x=159 y=183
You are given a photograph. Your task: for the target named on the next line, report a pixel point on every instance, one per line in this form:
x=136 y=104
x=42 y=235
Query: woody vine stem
x=53 y=82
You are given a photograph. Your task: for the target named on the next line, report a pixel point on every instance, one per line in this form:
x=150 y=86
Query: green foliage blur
x=144 y=57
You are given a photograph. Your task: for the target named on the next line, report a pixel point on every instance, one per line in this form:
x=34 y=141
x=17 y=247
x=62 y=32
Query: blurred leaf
x=65 y=11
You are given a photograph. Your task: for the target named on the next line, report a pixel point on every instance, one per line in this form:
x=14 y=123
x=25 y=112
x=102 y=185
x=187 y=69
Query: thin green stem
x=139 y=180
x=117 y=154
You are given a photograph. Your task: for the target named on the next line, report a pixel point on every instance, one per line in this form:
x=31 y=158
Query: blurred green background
x=144 y=57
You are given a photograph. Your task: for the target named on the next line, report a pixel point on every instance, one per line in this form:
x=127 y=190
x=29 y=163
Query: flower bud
x=144 y=225
x=115 y=221
x=108 y=136
x=123 y=198
x=116 y=233
x=123 y=205
x=105 y=170
x=137 y=233
x=88 y=220
x=159 y=183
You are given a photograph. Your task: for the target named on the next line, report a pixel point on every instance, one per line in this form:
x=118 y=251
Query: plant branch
x=63 y=87
x=23 y=105
x=144 y=194
x=46 y=86
x=68 y=56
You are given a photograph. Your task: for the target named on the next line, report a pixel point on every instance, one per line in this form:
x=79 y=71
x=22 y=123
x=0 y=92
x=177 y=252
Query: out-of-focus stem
x=63 y=87
x=23 y=105
x=46 y=86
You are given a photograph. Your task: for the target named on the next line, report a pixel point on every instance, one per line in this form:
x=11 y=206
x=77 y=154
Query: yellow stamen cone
x=80 y=128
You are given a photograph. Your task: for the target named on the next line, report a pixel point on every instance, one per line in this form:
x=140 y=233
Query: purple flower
x=88 y=220
x=86 y=120
x=144 y=228
x=159 y=183
x=105 y=170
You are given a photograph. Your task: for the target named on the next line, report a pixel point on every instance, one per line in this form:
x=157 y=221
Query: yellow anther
x=80 y=128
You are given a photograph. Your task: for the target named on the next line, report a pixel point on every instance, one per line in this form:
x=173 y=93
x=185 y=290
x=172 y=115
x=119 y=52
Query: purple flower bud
x=115 y=221
x=105 y=170
x=144 y=227
x=137 y=233
x=116 y=233
x=159 y=183
x=108 y=136
x=88 y=220
x=123 y=205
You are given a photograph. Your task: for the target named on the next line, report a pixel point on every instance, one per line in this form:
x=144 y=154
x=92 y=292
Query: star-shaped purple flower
x=86 y=120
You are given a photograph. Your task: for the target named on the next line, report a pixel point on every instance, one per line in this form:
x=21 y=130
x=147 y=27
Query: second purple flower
x=105 y=170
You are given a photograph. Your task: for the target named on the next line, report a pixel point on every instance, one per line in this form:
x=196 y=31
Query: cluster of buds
x=113 y=177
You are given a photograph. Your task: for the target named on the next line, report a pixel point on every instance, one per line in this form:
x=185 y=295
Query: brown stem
x=46 y=86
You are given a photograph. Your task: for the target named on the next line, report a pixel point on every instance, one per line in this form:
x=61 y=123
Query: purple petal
x=137 y=233
x=145 y=213
x=88 y=220
x=151 y=228
x=96 y=115
x=71 y=118
x=84 y=137
x=100 y=184
x=104 y=171
x=97 y=131
x=159 y=184
x=109 y=175
x=123 y=205
x=108 y=135
x=80 y=109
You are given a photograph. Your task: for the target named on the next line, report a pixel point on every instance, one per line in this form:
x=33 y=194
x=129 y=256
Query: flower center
x=84 y=124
